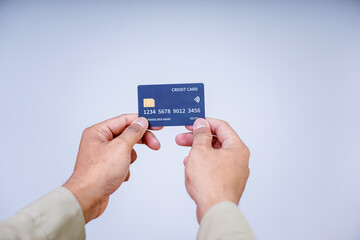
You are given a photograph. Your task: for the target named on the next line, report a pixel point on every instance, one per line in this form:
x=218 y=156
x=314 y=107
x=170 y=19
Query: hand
x=217 y=166
x=105 y=154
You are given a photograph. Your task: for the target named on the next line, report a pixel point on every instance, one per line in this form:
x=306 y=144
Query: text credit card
x=171 y=104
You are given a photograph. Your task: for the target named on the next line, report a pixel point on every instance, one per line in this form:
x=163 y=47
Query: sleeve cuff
x=224 y=221
x=58 y=215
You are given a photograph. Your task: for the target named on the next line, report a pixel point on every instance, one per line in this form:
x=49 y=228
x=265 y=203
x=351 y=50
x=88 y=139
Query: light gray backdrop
x=284 y=75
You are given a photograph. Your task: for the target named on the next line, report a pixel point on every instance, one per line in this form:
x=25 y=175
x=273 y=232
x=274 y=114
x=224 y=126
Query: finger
x=113 y=127
x=185 y=160
x=184 y=139
x=133 y=155
x=225 y=134
x=127 y=177
x=151 y=141
x=133 y=133
x=215 y=143
x=190 y=128
x=156 y=128
x=202 y=136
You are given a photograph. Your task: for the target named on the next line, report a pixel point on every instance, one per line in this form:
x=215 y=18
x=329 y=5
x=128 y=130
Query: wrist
x=89 y=202
x=205 y=205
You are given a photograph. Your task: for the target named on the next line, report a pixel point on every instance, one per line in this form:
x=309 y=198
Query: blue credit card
x=171 y=104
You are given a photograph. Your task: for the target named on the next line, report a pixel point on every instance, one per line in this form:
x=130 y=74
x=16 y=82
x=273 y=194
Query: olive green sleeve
x=57 y=215
x=224 y=221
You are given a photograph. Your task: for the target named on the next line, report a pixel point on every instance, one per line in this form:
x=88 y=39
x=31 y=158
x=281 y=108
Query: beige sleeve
x=57 y=215
x=224 y=221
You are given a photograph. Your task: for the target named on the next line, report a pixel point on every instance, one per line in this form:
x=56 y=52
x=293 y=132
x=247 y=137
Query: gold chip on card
x=149 y=102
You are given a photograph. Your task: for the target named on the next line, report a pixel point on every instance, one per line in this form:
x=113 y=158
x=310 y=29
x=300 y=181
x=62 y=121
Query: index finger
x=223 y=131
x=155 y=128
x=114 y=126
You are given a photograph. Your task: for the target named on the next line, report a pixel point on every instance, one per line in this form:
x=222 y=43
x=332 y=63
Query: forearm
x=57 y=215
x=224 y=221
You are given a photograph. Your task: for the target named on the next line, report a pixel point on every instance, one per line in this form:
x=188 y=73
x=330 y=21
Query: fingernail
x=200 y=122
x=142 y=122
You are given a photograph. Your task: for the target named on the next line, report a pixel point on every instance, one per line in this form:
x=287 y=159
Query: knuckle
x=224 y=122
x=246 y=151
x=133 y=156
x=102 y=131
x=128 y=116
x=188 y=181
x=124 y=115
x=86 y=131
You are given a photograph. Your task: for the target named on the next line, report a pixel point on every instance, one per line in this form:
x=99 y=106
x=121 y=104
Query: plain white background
x=284 y=74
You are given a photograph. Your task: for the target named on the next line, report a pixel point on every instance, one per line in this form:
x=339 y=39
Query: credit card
x=171 y=104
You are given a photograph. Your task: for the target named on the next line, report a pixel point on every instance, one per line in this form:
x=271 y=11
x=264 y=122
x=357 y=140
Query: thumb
x=134 y=132
x=202 y=134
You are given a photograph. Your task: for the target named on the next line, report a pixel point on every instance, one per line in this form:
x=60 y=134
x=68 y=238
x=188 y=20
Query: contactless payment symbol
x=197 y=99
